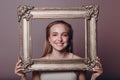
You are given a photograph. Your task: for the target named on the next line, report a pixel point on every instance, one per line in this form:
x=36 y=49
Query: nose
x=60 y=38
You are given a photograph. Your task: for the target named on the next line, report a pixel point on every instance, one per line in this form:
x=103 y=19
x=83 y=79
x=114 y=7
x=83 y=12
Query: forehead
x=58 y=28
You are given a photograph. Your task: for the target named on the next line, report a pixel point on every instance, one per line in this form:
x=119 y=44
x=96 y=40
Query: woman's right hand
x=18 y=70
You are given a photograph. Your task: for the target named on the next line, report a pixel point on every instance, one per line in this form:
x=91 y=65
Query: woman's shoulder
x=44 y=57
x=75 y=56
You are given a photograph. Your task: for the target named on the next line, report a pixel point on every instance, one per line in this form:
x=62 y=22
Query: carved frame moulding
x=27 y=13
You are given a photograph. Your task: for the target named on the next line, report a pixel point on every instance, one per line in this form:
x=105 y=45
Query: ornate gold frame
x=27 y=13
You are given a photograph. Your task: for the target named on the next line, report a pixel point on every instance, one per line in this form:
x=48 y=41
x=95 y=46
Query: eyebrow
x=57 y=32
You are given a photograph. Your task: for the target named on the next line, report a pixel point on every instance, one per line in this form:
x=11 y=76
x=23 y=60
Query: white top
x=59 y=75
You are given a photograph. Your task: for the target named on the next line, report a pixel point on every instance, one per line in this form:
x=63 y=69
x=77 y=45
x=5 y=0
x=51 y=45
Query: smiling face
x=58 y=37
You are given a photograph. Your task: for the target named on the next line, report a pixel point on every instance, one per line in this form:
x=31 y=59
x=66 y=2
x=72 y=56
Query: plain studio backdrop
x=107 y=34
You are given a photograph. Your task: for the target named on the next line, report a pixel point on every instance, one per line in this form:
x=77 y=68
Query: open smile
x=59 y=44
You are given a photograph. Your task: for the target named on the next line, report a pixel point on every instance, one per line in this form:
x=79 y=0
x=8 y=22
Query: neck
x=58 y=54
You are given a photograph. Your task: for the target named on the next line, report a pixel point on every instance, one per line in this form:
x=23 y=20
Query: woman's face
x=59 y=37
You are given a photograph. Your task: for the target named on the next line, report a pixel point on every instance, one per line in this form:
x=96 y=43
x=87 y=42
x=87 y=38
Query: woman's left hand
x=97 y=70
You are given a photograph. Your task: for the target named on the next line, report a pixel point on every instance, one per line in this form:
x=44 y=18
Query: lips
x=59 y=44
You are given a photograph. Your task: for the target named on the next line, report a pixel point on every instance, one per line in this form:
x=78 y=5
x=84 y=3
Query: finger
x=18 y=67
x=98 y=64
x=95 y=69
x=18 y=63
x=20 y=74
x=98 y=70
x=18 y=71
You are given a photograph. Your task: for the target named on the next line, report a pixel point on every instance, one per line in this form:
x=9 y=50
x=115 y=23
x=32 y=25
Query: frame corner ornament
x=93 y=11
x=92 y=63
x=24 y=12
x=26 y=66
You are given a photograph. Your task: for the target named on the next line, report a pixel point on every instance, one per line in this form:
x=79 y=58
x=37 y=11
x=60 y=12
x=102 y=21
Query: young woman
x=58 y=45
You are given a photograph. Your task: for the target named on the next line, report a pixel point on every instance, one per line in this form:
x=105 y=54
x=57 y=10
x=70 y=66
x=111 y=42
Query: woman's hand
x=18 y=69
x=97 y=70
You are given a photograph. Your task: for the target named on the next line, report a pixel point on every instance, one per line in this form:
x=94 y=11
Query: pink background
x=107 y=31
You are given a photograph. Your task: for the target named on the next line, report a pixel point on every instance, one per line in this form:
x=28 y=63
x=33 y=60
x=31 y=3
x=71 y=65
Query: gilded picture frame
x=27 y=13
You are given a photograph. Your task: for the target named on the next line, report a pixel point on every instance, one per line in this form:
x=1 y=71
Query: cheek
x=51 y=39
x=66 y=39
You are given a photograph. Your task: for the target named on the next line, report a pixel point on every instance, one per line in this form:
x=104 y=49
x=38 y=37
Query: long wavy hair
x=48 y=47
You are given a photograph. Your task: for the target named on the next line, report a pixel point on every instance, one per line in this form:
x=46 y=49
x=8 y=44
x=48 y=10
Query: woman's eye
x=54 y=35
x=65 y=35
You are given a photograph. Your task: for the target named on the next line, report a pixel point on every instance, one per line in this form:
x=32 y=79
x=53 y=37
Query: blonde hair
x=48 y=47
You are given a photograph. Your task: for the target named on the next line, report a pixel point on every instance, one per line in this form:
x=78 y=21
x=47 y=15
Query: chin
x=60 y=49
